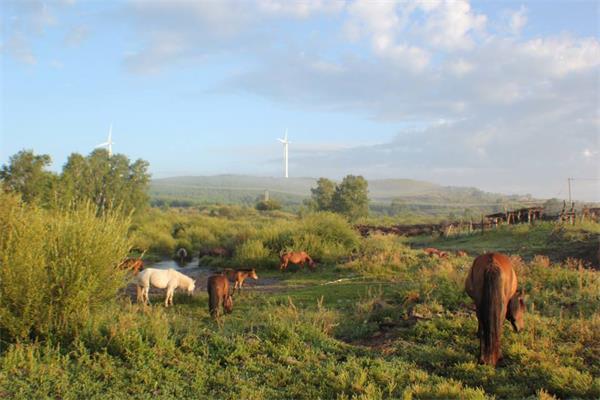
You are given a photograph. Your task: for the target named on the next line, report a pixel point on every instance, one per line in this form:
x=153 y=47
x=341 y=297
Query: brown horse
x=435 y=252
x=238 y=276
x=492 y=284
x=215 y=252
x=218 y=294
x=133 y=264
x=295 y=257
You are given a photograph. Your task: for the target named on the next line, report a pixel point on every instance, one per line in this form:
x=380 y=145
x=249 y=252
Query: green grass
x=556 y=241
x=376 y=320
x=319 y=340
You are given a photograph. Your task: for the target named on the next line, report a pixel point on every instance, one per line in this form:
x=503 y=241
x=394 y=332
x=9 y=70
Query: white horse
x=162 y=278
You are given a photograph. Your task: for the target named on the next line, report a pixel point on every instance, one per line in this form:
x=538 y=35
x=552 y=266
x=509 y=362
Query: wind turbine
x=108 y=144
x=285 y=143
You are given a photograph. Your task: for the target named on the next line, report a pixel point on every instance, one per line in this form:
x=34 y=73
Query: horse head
x=191 y=287
x=516 y=311
x=228 y=304
x=253 y=274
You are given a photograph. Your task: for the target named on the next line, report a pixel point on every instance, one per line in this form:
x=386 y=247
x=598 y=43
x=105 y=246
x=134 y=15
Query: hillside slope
x=245 y=189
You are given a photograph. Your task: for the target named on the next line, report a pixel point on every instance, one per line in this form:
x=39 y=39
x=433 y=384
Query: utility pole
x=569 y=183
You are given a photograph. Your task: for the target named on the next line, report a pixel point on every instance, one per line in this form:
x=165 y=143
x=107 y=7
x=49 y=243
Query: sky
x=503 y=96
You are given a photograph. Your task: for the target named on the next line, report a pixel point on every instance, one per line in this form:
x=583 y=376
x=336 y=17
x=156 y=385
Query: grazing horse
x=218 y=294
x=435 y=252
x=492 y=284
x=238 y=276
x=215 y=252
x=132 y=264
x=163 y=279
x=295 y=257
x=182 y=255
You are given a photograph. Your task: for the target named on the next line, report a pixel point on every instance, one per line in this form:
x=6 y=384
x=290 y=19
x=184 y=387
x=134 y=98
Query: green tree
x=268 y=205
x=108 y=182
x=322 y=195
x=351 y=197
x=26 y=174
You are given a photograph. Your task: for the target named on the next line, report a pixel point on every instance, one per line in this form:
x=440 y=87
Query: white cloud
x=450 y=25
x=517 y=20
x=299 y=9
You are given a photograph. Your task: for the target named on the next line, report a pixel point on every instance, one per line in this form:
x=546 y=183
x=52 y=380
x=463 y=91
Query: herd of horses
x=491 y=283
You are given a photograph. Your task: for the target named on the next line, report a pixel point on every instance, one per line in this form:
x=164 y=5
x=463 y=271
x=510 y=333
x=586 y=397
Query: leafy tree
x=26 y=174
x=351 y=197
x=108 y=182
x=322 y=195
x=267 y=205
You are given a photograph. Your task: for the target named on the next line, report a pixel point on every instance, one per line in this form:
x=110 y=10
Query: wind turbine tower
x=108 y=144
x=285 y=143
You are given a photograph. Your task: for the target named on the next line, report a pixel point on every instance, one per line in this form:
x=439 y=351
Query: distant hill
x=245 y=189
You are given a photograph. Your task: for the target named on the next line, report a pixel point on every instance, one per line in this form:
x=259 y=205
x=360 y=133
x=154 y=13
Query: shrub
x=56 y=267
x=268 y=205
x=253 y=253
x=326 y=236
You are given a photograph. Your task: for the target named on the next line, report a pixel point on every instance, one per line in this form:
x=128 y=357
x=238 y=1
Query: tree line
x=108 y=183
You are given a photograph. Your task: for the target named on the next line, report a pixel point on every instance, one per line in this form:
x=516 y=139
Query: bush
x=56 y=267
x=326 y=236
x=253 y=253
x=268 y=205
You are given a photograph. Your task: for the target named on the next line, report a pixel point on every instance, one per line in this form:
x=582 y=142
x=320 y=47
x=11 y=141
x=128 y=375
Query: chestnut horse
x=492 y=284
x=133 y=264
x=239 y=276
x=218 y=294
x=295 y=257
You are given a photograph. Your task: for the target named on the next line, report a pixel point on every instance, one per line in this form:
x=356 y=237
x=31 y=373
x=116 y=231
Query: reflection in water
x=191 y=266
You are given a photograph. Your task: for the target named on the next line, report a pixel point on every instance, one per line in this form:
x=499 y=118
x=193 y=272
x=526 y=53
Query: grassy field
x=376 y=320
x=557 y=241
x=412 y=336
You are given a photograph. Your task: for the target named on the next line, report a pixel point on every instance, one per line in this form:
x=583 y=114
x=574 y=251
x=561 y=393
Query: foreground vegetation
x=377 y=320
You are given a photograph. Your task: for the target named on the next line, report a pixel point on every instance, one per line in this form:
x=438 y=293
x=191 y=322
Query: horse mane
x=491 y=310
x=245 y=269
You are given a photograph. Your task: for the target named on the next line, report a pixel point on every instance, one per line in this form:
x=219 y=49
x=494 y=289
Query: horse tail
x=491 y=313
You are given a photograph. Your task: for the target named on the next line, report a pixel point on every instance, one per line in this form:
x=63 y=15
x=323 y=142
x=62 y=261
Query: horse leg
x=146 y=295
x=169 y=292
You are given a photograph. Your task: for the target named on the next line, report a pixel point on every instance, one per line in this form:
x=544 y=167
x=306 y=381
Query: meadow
x=377 y=319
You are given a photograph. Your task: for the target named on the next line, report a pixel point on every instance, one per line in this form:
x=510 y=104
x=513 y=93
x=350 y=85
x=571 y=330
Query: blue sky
x=499 y=95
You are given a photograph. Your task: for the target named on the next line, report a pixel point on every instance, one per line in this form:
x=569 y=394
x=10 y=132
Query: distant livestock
x=295 y=257
x=238 y=276
x=134 y=265
x=215 y=252
x=435 y=252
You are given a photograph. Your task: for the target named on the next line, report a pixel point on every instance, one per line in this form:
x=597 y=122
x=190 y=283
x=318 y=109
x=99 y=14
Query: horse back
x=474 y=284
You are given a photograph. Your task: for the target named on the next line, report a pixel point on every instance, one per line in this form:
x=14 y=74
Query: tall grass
x=256 y=239
x=56 y=267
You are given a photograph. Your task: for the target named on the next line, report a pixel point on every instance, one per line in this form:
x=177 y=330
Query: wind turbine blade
x=286 y=134
x=281 y=140
x=101 y=145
